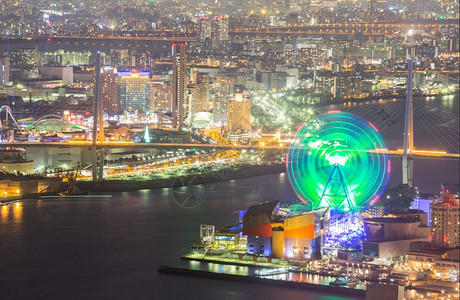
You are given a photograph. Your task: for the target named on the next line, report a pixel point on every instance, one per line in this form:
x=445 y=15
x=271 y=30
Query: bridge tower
x=97 y=155
x=408 y=145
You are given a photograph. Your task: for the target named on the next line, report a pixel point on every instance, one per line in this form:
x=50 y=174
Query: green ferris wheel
x=338 y=160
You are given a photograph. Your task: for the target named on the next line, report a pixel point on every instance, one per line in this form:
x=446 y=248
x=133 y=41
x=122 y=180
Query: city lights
x=321 y=138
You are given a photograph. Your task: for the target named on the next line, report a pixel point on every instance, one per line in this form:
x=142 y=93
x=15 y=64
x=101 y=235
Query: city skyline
x=309 y=145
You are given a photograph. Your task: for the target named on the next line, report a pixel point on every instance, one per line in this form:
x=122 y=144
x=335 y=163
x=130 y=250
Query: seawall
x=127 y=185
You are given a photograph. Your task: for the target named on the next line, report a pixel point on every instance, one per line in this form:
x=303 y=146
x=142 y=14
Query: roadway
x=282 y=146
x=102 y=38
x=339 y=29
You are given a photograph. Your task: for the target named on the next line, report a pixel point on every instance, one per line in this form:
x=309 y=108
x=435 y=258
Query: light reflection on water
x=218 y=268
x=249 y=271
x=11 y=213
x=308 y=278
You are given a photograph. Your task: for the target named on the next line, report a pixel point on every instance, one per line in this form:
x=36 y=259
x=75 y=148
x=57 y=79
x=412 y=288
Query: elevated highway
x=365 y=29
x=281 y=146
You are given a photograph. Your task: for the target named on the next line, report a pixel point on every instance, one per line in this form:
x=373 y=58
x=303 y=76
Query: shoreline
x=252 y=279
x=132 y=185
x=192 y=179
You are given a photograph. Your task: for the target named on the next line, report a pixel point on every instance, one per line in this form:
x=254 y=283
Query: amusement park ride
x=5 y=126
x=341 y=161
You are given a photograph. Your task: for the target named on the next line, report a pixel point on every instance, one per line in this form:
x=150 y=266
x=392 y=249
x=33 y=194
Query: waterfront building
x=225 y=240
x=274 y=232
x=178 y=87
x=444 y=263
x=27 y=186
x=4 y=71
x=390 y=237
x=134 y=91
x=14 y=161
x=445 y=222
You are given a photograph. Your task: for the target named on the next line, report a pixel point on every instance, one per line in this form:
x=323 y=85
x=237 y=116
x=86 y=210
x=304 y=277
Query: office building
x=4 y=70
x=178 y=88
x=160 y=97
x=445 y=222
x=109 y=91
x=201 y=92
x=239 y=113
x=204 y=29
x=134 y=91
x=223 y=92
x=219 y=31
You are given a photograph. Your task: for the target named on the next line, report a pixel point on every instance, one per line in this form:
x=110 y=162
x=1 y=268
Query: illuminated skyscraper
x=178 y=91
x=445 y=222
x=109 y=91
x=239 y=113
x=4 y=70
x=223 y=92
x=204 y=29
x=160 y=97
x=134 y=91
x=201 y=92
x=219 y=31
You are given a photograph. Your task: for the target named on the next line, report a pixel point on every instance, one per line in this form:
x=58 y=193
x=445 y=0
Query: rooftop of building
x=262 y=208
x=389 y=220
x=408 y=212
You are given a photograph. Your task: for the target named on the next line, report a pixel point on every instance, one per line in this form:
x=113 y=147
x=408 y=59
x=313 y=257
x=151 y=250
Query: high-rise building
x=160 y=97
x=219 y=31
x=239 y=113
x=134 y=91
x=178 y=90
x=120 y=57
x=4 y=70
x=201 y=92
x=109 y=91
x=204 y=29
x=24 y=56
x=59 y=57
x=445 y=222
x=223 y=92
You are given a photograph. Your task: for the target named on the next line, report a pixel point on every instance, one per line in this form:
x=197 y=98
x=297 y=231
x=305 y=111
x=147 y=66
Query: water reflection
x=309 y=278
x=218 y=268
x=11 y=213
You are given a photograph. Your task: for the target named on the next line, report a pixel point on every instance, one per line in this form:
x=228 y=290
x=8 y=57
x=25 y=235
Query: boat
x=353 y=282
x=269 y=272
x=345 y=281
